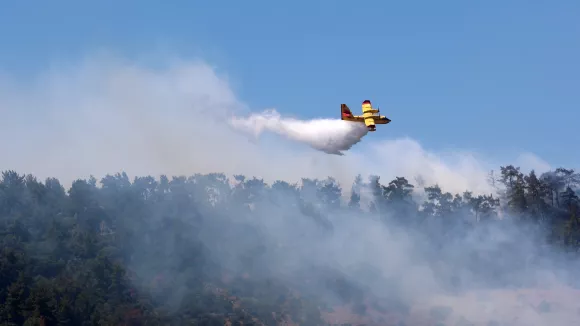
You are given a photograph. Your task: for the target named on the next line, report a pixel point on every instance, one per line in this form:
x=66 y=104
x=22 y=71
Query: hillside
x=208 y=250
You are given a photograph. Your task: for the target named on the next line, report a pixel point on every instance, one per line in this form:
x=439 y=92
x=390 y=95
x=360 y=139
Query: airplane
x=370 y=116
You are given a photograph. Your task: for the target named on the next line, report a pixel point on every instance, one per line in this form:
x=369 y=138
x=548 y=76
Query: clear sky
x=490 y=76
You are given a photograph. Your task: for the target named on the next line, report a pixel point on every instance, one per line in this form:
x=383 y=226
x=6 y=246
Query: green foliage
x=69 y=258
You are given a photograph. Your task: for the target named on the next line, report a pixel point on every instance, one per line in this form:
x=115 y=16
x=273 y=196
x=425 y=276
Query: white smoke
x=174 y=120
x=331 y=136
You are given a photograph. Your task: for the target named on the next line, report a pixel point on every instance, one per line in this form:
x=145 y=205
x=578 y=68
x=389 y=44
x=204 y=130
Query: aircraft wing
x=346 y=114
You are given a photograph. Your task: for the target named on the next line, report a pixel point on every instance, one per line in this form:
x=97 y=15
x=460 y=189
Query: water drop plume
x=331 y=136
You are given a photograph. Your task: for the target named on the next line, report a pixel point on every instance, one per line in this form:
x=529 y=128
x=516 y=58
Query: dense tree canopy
x=208 y=249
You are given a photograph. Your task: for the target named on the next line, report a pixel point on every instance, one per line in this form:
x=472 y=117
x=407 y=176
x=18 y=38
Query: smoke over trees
x=212 y=250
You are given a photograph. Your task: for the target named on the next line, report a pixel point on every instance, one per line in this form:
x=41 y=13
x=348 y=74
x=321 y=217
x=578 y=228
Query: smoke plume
x=100 y=118
x=327 y=135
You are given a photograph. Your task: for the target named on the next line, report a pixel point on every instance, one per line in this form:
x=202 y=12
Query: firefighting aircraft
x=370 y=116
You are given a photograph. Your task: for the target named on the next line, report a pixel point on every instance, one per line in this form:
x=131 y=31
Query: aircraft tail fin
x=345 y=112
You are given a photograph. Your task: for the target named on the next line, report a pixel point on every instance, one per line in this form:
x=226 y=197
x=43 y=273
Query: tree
x=398 y=199
x=514 y=181
x=484 y=206
x=354 y=202
x=537 y=192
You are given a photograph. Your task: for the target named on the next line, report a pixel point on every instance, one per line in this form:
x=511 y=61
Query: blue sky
x=496 y=77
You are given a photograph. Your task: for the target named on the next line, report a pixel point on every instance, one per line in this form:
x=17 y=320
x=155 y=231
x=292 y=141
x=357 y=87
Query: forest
x=217 y=250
